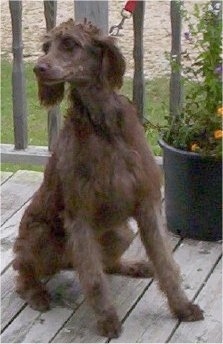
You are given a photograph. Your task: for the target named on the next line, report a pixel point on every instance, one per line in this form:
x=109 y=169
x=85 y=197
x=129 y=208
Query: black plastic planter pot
x=193 y=194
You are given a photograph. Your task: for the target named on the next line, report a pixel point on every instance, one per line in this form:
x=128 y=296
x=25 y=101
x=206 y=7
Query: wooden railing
x=97 y=12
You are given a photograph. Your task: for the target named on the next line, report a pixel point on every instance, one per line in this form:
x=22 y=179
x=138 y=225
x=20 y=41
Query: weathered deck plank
x=31 y=326
x=5 y=176
x=17 y=191
x=9 y=232
x=210 y=299
x=11 y=304
x=125 y=292
x=139 y=303
x=151 y=321
x=28 y=321
x=23 y=328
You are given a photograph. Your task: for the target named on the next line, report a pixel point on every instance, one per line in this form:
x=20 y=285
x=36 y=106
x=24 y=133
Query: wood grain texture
x=5 y=176
x=17 y=191
x=125 y=292
x=54 y=120
x=210 y=299
x=95 y=11
x=34 y=327
x=11 y=303
x=151 y=321
x=31 y=326
x=50 y=13
x=37 y=155
x=139 y=303
x=54 y=126
x=9 y=232
x=175 y=78
x=18 y=78
x=138 y=80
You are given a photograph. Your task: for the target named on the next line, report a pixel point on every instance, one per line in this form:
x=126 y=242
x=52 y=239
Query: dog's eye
x=68 y=43
x=46 y=47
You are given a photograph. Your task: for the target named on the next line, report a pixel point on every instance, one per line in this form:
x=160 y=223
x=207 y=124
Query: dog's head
x=80 y=55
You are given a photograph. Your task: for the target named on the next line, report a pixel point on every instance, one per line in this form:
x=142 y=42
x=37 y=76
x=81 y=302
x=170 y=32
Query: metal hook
x=114 y=30
x=119 y=27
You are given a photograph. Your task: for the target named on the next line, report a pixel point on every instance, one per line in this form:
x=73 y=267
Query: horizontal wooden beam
x=36 y=155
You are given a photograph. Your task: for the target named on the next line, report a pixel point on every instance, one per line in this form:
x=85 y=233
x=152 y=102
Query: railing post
x=94 y=11
x=138 y=81
x=175 y=78
x=54 y=121
x=18 y=77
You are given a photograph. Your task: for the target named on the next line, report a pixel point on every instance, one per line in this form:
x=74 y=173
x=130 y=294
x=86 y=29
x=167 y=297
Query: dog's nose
x=40 y=68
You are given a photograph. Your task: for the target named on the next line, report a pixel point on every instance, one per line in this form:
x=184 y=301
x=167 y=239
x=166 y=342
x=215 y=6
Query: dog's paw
x=190 y=312
x=137 y=269
x=40 y=301
x=110 y=326
x=141 y=269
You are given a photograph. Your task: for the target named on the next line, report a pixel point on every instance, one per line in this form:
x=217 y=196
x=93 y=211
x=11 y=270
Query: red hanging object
x=130 y=6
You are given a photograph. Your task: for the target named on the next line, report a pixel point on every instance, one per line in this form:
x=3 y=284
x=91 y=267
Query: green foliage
x=156 y=108
x=37 y=118
x=198 y=127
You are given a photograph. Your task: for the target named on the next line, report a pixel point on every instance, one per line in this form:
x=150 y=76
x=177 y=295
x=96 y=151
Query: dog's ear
x=113 y=62
x=50 y=95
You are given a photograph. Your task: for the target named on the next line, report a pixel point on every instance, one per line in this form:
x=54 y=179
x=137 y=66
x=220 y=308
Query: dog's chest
x=109 y=181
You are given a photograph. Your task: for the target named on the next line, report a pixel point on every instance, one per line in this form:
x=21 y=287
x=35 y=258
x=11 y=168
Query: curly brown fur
x=50 y=95
x=101 y=172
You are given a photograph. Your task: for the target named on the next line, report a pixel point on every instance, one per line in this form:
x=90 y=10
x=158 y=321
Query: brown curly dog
x=101 y=172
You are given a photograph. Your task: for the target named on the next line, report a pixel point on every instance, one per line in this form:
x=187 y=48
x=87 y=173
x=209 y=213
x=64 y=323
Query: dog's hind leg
x=37 y=255
x=136 y=269
x=29 y=287
x=88 y=261
x=154 y=238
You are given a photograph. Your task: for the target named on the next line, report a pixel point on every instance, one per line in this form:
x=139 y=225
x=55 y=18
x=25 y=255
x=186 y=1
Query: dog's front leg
x=87 y=260
x=154 y=239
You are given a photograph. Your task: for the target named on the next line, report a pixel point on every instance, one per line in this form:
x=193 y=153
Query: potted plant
x=192 y=139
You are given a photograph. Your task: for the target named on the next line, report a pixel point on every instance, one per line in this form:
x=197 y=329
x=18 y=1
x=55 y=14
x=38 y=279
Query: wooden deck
x=140 y=305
